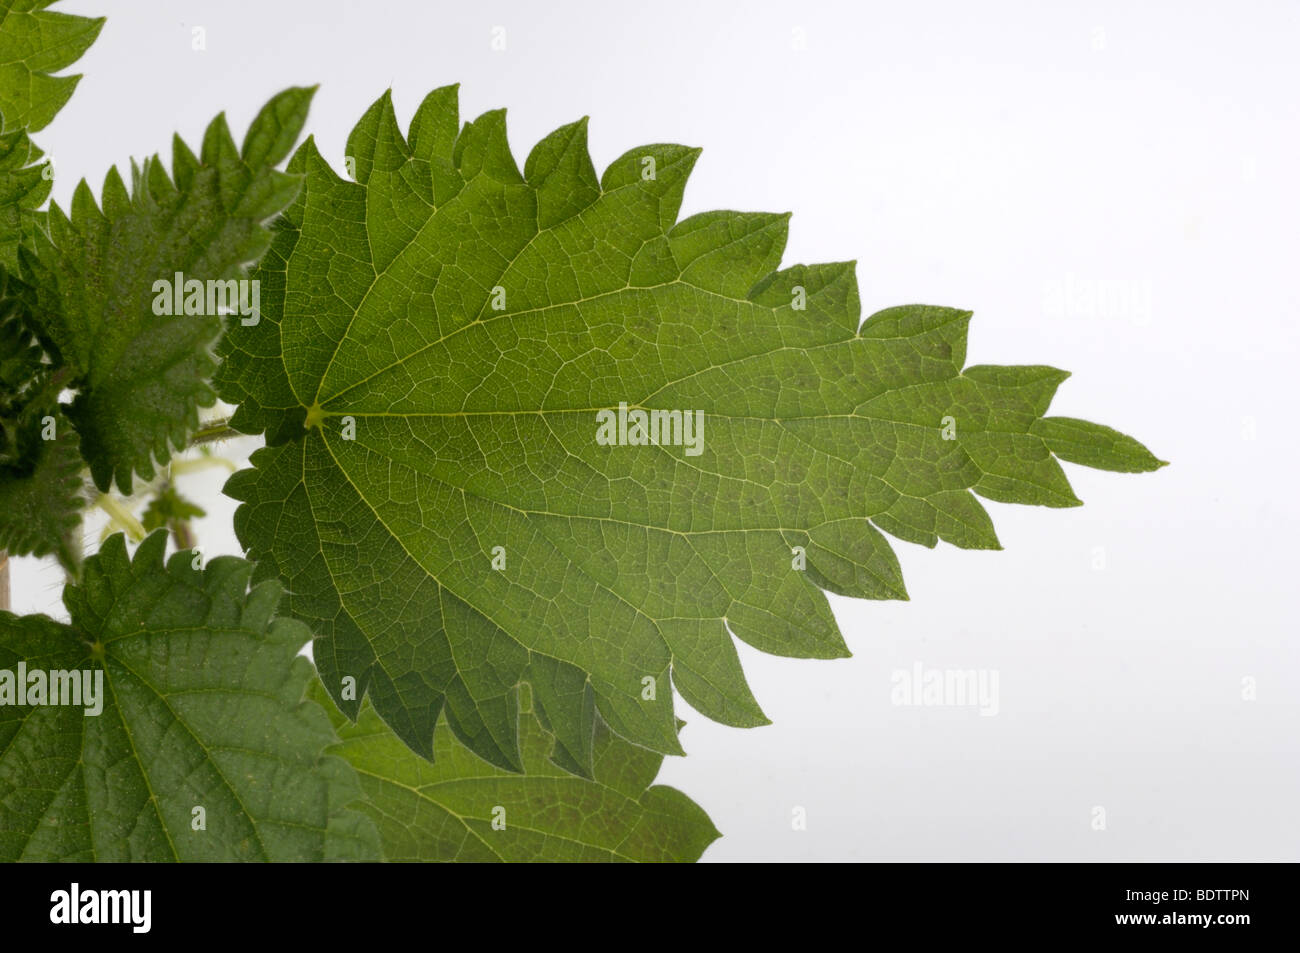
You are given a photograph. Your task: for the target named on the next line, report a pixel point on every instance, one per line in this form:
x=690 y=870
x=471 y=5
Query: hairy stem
x=121 y=517
x=213 y=431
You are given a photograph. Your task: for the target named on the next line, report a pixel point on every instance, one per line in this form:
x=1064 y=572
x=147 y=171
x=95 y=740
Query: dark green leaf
x=203 y=706
x=141 y=376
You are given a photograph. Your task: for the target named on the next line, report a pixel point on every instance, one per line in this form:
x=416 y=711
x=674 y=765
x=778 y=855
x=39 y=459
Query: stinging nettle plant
x=536 y=453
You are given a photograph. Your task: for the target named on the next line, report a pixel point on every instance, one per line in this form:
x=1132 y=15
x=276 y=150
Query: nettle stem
x=121 y=517
x=213 y=431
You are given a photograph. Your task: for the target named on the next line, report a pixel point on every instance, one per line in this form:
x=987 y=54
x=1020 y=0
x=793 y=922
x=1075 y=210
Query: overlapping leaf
x=438 y=337
x=24 y=187
x=34 y=43
x=202 y=707
x=39 y=460
x=40 y=482
x=460 y=808
x=40 y=498
x=140 y=375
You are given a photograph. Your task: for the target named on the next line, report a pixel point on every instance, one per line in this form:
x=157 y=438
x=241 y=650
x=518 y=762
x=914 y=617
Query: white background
x=973 y=155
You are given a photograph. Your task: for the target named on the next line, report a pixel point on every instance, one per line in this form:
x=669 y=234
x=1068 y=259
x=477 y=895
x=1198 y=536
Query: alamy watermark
x=181 y=295
x=1118 y=298
x=58 y=686
x=946 y=687
x=640 y=428
x=75 y=906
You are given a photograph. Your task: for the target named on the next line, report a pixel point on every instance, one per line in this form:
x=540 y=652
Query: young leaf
x=95 y=302
x=169 y=506
x=460 y=808
x=444 y=341
x=35 y=42
x=204 y=749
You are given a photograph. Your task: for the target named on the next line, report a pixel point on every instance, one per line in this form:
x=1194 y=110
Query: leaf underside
x=459 y=808
x=437 y=339
x=202 y=707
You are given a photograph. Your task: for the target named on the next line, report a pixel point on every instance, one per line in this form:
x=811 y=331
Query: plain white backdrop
x=1111 y=187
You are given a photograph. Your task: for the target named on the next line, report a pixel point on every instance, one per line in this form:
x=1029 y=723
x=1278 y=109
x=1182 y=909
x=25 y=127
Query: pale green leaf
x=460 y=808
x=438 y=338
x=36 y=42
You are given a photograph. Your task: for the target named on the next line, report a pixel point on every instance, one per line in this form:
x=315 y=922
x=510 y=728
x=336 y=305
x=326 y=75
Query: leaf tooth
x=483 y=148
x=706 y=670
x=559 y=168
x=276 y=127
x=436 y=123
x=184 y=163
x=376 y=142
x=1095 y=445
x=656 y=175
x=740 y=248
x=60 y=227
x=309 y=161
x=562 y=698
x=794 y=622
x=85 y=212
x=117 y=201
x=650 y=724
x=160 y=186
x=218 y=147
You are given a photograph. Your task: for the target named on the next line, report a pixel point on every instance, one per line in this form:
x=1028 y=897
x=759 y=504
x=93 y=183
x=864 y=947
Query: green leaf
x=40 y=499
x=34 y=43
x=167 y=506
x=439 y=336
x=24 y=187
x=202 y=707
x=24 y=375
x=40 y=466
x=460 y=808
x=142 y=376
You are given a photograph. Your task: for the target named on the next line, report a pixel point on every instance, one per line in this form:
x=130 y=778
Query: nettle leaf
x=40 y=484
x=169 y=506
x=460 y=808
x=24 y=187
x=40 y=499
x=24 y=374
x=203 y=706
x=35 y=42
x=141 y=375
x=40 y=478
x=439 y=339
